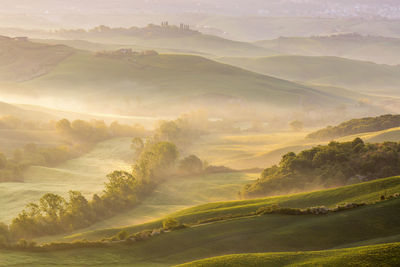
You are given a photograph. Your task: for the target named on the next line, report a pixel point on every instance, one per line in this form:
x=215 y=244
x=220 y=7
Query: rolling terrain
x=198 y=133
x=361 y=256
x=358 y=76
x=86 y=173
x=364 y=192
x=7 y=109
x=152 y=82
x=377 y=49
x=145 y=85
x=167 y=37
x=22 y=60
x=260 y=150
x=376 y=224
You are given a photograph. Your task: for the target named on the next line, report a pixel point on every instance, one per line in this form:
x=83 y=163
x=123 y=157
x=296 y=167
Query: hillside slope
x=361 y=256
x=22 y=60
x=246 y=235
x=7 y=109
x=179 y=82
x=165 y=37
x=363 y=192
x=370 y=48
x=356 y=75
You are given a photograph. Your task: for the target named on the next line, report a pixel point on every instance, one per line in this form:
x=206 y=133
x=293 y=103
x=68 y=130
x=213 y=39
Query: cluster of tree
x=150 y=31
x=327 y=166
x=125 y=53
x=11 y=169
x=182 y=131
x=95 y=131
x=356 y=126
x=55 y=214
x=81 y=134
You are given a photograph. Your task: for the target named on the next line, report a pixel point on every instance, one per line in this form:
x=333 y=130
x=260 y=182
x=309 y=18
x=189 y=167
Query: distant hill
x=164 y=84
x=168 y=37
x=25 y=113
x=22 y=60
x=377 y=49
x=180 y=82
x=95 y=46
x=356 y=126
x=359 y=76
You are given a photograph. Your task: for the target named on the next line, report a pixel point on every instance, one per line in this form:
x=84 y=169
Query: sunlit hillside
x=197 y=82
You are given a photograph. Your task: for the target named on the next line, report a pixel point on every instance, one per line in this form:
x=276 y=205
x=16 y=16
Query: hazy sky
x=385 y=8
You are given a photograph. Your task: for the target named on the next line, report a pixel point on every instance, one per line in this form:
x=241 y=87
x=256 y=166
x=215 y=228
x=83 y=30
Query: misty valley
x=194 y=133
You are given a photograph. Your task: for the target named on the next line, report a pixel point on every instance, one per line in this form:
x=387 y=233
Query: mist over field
x=199 y=133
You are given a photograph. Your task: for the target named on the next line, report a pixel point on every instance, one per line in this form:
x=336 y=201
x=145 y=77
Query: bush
x=171 y=224
x=123 y=235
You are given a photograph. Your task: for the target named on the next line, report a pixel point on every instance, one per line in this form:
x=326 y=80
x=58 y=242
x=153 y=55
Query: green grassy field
x=266 y=233
x=171 y=196
x=378 y=255
x=364 y=192
x=86 y=174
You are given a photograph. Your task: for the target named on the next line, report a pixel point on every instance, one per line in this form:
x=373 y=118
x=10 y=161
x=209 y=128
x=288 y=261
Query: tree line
x=157 y=158
x=332 y=165
x=53 y=214
x=79 y=136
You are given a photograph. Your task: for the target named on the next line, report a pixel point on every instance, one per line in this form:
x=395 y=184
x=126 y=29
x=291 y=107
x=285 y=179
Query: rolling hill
x=144 y=84
x=360 y=256
x=363 y=192
x=377 y=223
x=358 y=76
x=22 y=60
x=7 y=109
x=377 y=49
x=164 y=37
